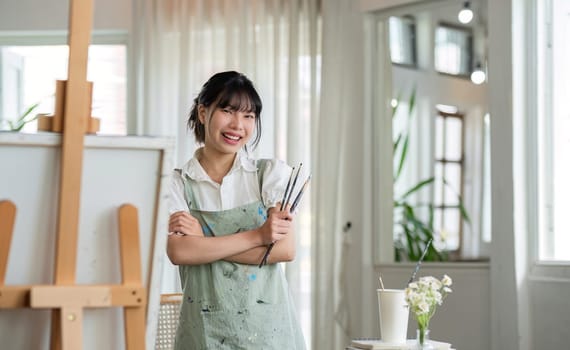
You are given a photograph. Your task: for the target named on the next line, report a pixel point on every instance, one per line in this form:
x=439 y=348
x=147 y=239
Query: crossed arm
x=191 y=247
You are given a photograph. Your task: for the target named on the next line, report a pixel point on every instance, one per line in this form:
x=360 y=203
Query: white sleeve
x=176 y=196
x=275 y=179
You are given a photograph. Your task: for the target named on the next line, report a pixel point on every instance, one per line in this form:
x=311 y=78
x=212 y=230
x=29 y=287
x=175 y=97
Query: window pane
x=561 y=129
x=450 y=229
x=453 y=138
x=554 y=140
x=453 y=179
x=446 y=228
x=108 y=72
x=439 y=140
x=106 y=69
x=453 y=50
x=403 y=40
x=437 y=220
x=438 y=184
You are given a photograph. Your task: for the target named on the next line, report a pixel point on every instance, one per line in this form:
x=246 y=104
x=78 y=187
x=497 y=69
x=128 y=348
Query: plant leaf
x=28 y=111
x=397 y=142
x=462 y=209
x=403 y=156
x=412 y=103
x=418 y=186
x=19 y=123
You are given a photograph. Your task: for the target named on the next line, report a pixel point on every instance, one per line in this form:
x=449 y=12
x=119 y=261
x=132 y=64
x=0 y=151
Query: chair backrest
x=168 y=320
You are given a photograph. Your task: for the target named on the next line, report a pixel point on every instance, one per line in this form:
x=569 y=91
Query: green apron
x=235 y=306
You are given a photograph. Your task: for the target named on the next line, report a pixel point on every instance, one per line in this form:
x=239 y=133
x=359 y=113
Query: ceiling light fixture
x=466 y=14
x=478 y=76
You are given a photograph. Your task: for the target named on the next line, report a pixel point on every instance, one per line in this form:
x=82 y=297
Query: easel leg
x=134 y=327
x=71 y=327
x=7 y=217
x=131 y=270
x=55 y=339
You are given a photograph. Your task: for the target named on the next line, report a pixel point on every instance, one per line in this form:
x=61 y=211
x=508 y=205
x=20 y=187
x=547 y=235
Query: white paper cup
x=393 y=312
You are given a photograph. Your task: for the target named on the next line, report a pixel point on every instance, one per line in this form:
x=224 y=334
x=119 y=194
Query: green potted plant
x=413 y=222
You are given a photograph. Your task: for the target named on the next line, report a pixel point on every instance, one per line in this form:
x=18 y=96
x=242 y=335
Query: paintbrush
x=286 y=197
x=287 y=189
x=292 y=187
x=298 y=198
x=293 y=207
x=420 y=262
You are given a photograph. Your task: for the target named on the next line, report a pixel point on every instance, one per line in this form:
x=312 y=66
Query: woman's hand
x=182 y=223
x=277 y=225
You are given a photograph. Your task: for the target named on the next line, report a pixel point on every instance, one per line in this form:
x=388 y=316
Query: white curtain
x=179 y=44
x=275 y=43
x=337 y=138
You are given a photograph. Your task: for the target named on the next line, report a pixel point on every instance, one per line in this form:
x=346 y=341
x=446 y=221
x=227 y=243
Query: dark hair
x=222 y=90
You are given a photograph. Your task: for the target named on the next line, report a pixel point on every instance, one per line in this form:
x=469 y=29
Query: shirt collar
x=193 y=169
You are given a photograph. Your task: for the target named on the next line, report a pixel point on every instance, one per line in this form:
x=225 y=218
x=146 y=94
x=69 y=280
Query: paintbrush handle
x=420 y=262
x=286 y=198
x=299 y=195
x=293 y=185
x=286 y=193
x=266 y=255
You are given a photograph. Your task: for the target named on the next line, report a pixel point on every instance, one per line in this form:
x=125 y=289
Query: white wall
x=550 y=310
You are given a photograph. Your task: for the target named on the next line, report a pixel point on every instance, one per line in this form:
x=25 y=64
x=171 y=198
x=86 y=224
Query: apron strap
x=261 y=166
x=188 y=194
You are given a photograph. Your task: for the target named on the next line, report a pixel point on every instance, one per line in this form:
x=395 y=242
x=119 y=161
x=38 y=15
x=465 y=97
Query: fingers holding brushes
x=285 y=204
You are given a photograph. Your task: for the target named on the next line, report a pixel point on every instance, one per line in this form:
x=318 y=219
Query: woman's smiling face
x=227 y=129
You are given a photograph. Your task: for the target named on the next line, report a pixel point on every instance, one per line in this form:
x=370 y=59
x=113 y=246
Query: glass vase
x=423 y=342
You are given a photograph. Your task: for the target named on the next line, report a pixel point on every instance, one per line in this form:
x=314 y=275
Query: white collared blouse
x=240 y=186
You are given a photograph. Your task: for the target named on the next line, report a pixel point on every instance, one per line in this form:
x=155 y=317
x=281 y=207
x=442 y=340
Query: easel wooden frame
x=138 y=169
x=66 y=298
x=70 y=300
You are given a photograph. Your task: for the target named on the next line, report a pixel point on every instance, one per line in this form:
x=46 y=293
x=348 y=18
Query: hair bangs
x=240 y=99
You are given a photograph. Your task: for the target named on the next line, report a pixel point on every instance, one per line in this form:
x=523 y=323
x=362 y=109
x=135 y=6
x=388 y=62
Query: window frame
x=414 y=42
x=542 y=186
x=454 y=253
x=470 y=49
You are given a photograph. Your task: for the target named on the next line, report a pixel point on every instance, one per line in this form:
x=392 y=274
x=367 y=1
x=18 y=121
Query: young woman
x=225 y=212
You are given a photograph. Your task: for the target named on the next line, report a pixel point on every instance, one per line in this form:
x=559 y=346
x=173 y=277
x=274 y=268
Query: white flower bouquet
x=423 y=297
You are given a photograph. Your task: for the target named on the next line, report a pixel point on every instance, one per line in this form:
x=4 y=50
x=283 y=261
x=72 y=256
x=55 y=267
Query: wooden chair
x=168 y=317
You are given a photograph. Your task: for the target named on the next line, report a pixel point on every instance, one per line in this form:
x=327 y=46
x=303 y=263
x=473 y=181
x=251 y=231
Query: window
x=453 y=50
x=553 y=132
x=26 y=81
x=403 y=40
x=448 y=182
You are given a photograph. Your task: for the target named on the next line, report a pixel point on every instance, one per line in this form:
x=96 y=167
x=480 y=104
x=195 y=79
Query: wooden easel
x=67 y=298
